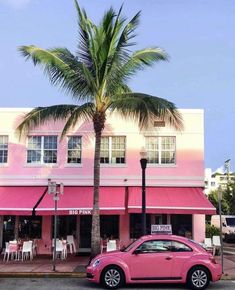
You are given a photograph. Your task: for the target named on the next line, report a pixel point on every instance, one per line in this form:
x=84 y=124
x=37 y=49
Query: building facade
x=174 y=179
x=216 y=179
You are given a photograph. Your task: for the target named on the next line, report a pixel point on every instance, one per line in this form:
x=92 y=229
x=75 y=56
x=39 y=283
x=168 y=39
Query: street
x=79 y=284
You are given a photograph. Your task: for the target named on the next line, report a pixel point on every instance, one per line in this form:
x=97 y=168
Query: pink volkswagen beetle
x=156 y=259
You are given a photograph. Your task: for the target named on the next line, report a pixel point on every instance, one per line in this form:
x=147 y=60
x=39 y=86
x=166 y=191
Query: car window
x=155 y=246
x=179 y=247
x=160 y=246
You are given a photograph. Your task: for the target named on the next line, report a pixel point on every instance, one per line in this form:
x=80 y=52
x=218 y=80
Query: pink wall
x=44 y=244
x=124 y=229
x=199 y=228
x=188 y=171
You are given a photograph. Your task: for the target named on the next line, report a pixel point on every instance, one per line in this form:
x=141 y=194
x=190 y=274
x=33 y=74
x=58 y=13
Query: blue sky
x=197 y=34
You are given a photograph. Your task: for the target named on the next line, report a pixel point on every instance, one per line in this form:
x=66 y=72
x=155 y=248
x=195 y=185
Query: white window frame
x=74 y=149
x=159 y=150
x=4 y=149
x=110 y=151
x=41 y=150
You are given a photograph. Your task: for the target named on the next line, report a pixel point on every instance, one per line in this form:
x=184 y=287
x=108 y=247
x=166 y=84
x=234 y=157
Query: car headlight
x=95 y=263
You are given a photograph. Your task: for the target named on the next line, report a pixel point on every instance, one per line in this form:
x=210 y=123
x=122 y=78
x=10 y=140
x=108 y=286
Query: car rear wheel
x=198 y=278
x=112 y=277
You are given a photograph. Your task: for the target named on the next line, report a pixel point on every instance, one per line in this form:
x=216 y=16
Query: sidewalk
x=41 y=266
x=229 y=266
x=75 y=266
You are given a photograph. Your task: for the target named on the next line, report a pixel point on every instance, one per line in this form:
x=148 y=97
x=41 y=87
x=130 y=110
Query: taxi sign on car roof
x=161 y=229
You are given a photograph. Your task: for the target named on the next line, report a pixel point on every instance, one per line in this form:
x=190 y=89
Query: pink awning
x=79 y=200
x=172 y=200
x=19 y=200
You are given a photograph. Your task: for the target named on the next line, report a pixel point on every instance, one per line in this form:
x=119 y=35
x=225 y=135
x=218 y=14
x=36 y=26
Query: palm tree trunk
x=98 y=121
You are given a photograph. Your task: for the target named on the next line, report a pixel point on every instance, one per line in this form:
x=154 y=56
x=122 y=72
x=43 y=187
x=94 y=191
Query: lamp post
x=143 y=163
x=227 y=169
x=55 y=189
x=220 y=217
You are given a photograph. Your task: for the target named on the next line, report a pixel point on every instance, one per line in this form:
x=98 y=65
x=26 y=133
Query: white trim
x=14 y=208
x=173 y=207
x=79 y=208
x=118 y=183
x=61 y=208
x=90 y=177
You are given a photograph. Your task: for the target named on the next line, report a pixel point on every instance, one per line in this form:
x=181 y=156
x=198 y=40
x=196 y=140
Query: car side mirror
x=137 y=251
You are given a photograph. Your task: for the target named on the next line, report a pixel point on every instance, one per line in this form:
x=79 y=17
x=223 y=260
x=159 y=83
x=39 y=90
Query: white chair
x=11 y=250
x=216 y=244
x=27 y=250
x=71 y=244
x=111 y=245
x=60 y=250
x=103 y=245
x=35 y=247
x=208 y=245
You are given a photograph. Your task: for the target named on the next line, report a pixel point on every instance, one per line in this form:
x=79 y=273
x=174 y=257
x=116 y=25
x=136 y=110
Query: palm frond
x=85 y=37
x=84 y=112
x=63 y=69
x=121 y=73
x=40 y=115
x=144 y=109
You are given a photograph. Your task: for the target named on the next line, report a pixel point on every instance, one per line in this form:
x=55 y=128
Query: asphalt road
x=83 y=284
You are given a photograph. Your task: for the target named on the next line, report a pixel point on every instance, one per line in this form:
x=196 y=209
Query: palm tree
x=96 y=76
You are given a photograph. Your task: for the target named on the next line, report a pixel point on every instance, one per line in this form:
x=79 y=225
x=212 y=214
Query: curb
x=228 y=277
x=42 y=275
x=66 y=275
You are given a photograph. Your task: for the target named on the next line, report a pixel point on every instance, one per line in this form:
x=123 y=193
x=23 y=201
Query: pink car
x=156 y=259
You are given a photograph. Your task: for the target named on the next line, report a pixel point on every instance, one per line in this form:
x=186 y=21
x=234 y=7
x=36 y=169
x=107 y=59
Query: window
x=135 y=225
x=74 y=149
x=155 y=246
x=159 y=246
x=160 y=150
x=182 y=224
x=179 y=247
x=30 y=227
x=3 y=149
x=113 y=150
x=42 y=149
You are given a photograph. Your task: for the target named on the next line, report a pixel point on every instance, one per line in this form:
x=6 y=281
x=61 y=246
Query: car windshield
x=130 y=246
x=230 y=222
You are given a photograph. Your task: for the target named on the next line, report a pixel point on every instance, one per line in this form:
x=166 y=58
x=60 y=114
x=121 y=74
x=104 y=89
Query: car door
x=152 y=260
x=181 y=254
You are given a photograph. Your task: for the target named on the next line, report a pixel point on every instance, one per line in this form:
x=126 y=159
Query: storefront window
x=8 y=228
x=30 y=227
x=109 y=226
x=135 y=225
x=66 y=225
x=182 y=225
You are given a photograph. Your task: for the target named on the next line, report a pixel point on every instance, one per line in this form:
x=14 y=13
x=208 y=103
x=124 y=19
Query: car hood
x=108 y=254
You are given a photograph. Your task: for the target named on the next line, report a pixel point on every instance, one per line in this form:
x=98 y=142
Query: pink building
x=174 y=179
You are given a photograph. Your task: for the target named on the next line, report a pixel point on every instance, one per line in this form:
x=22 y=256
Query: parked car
x=228 y=225
x=156 y=259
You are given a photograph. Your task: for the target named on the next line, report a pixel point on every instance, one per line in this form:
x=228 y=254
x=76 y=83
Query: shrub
x=212 y=231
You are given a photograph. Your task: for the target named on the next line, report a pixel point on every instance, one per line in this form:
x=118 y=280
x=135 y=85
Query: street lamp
x=220 y=217
x=227 y=169
x=143 y=163
x=55 y=189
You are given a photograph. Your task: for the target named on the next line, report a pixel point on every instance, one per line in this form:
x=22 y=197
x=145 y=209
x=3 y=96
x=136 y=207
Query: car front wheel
x=198 y=278
x=112 y=277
